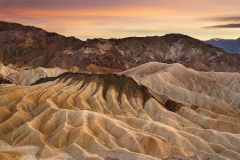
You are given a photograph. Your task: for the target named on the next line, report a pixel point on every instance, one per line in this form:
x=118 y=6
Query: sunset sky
x=202 y=19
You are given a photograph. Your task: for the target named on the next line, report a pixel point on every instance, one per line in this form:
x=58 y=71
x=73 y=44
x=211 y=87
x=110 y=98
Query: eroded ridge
x=95 y=116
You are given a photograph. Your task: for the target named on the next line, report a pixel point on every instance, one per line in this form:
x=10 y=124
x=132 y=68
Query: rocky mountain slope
x=167 y=112
x=19 y=44
x=229 y=45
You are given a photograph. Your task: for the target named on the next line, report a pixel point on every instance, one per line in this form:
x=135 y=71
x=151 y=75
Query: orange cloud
x=93 y=18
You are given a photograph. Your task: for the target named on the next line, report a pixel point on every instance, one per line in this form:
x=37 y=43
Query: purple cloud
x=58 y=4
x=224 y=26
x=229 y=18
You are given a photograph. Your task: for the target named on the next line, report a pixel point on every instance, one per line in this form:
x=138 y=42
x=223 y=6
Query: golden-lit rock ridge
x=203 y=89
x=28 y=77
x=91 y=116
x=5 y=71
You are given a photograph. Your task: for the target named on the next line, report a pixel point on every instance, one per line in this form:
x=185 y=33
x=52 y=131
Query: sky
x=202 y=19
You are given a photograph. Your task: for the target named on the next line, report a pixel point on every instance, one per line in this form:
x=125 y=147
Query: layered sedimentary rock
x=28 y=77
x=5 y=71
x=189 y=86
x=95 y=116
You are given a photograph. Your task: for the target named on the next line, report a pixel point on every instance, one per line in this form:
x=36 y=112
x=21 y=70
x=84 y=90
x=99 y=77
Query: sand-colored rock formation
x=5 y=71
x=84 y=116
x=28 y=77
x=203 y=89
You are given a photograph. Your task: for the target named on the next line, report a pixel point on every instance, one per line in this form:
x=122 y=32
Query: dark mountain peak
x=19 y=31
x=9 y=26
x=176 y=35
x=189 y=44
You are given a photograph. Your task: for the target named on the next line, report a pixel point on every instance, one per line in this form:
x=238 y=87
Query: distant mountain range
x=29 y=47
x=229 y=45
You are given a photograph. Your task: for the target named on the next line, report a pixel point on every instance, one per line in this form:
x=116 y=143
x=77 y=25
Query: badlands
x=154 y=111
x=139 y=98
